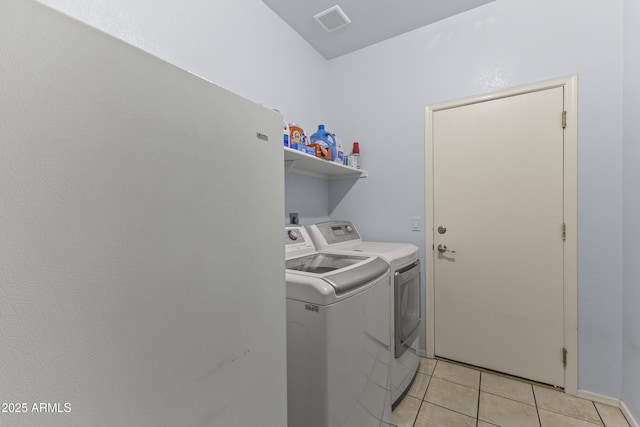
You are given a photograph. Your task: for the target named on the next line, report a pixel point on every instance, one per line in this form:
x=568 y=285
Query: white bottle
x=339 y=151
x=355 y=155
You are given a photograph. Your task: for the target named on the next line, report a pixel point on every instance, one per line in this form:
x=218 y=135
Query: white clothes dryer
x=338 y=336
x=403 y=258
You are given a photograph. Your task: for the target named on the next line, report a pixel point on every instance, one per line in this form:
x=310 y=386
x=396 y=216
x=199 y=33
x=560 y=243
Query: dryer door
x=407 y=306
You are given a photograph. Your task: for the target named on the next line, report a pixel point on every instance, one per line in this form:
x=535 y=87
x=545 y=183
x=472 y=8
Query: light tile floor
x=445 y=394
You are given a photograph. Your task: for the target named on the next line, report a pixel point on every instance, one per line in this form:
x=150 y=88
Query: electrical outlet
x=293 y=218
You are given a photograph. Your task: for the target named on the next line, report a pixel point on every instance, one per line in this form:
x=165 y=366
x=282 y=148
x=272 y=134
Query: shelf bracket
x=288 y=165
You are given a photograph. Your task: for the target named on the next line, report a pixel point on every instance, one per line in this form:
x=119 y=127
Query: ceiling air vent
x=332 y=18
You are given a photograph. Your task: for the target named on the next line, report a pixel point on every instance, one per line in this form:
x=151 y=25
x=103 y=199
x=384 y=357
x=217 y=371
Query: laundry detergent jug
x=326 y=139
x=296 y=135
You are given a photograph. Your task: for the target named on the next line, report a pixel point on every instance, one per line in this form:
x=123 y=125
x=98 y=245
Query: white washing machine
x=343 y=237
x=338 y=336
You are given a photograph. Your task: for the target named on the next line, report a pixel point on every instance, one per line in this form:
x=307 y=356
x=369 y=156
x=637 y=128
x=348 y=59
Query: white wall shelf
x=304 y=164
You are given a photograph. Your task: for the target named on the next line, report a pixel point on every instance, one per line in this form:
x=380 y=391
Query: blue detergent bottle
x=325 y=138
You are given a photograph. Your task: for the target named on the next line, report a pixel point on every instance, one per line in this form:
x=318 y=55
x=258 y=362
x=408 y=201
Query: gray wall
x=308 y=196
x=631 y=209
x=379 y=93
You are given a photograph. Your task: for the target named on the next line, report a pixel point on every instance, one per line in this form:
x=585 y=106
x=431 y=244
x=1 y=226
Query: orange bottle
x=296 y=134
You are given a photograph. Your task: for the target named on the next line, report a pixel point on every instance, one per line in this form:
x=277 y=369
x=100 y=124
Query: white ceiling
x=371 y=20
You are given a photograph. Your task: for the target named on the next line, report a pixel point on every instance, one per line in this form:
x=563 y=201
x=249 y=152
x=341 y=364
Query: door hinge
x=564 y=357
x=564 y=231
x=564 y=119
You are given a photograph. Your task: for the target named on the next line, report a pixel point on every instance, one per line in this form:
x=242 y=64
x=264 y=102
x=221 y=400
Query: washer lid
x=346 y=280
x=322 y=263
x=323 y=281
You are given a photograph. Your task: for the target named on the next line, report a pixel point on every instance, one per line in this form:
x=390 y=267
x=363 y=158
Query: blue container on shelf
x=304 y=148
x=326 y=139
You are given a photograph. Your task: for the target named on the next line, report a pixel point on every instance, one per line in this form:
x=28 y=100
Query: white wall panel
x=141 y=272
x=238 y=44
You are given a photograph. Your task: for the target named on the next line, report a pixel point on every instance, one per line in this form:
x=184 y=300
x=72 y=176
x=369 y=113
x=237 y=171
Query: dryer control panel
x=332 y=232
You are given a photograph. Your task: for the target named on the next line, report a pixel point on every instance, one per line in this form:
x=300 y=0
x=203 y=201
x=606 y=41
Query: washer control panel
x=297 y=242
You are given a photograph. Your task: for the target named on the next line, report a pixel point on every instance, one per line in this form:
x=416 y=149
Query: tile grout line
x=478 y=407
x=598 y=412
x=453 y=410
x=509 y=398
x=535 y=400
x=415 y=420
x=424 y=395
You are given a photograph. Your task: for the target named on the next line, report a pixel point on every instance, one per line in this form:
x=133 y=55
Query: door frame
x=570 y=85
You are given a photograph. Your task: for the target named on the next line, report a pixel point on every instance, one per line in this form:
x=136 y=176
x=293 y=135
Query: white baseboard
x=606 y=400
x=627 y=415
x=583 y=394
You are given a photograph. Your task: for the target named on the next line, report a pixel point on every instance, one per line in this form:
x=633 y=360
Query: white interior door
x=498 y=191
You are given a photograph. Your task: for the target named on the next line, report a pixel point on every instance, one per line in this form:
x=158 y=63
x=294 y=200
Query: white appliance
x=343 y=237
x=338 y=337
x=139 y=283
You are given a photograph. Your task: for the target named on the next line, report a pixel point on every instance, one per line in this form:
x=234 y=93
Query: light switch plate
x=415 y=223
